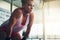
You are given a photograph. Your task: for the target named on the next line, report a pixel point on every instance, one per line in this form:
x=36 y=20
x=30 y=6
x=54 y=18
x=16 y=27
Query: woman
x=20 y=18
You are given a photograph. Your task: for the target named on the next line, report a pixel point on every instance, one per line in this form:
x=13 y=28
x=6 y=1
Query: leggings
x=3 y=34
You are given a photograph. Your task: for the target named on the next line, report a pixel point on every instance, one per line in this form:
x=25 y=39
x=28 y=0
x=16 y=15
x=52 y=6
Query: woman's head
x=25 y=1
x=27 y=4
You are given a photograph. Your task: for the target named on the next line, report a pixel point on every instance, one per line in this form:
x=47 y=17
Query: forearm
x=9 y=32
x=28 y=30
x=27 y=33
x=11 y=24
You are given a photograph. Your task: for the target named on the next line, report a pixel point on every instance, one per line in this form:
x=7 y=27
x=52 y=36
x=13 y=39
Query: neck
x=24 y=12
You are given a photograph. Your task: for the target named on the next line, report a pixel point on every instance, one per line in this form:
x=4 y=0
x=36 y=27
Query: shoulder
x=32 y=15
x=17 y=12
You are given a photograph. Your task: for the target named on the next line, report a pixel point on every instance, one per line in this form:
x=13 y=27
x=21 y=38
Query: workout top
x=18 y=26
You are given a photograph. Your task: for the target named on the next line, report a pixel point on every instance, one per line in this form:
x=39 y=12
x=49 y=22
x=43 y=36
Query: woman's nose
x=31 y=7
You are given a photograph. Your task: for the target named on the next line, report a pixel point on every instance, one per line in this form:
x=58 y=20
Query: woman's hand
x=24 y=38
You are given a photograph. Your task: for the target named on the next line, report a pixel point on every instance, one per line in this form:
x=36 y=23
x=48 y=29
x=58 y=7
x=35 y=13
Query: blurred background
x=46 y=24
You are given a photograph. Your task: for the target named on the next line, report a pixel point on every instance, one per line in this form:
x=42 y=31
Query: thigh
x=16 y=36
x=2 y=35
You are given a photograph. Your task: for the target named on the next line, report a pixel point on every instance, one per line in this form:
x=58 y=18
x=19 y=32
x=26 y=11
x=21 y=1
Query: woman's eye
x=30 y=5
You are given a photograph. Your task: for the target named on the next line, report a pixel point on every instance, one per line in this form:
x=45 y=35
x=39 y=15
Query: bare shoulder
x=31 y=18
x=32 y=15
x=18 y=10
x=17 y=13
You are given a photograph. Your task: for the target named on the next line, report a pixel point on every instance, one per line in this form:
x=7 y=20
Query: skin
x=17 y=13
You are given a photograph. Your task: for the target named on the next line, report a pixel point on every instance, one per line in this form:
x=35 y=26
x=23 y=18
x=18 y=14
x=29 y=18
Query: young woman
x=20 y=18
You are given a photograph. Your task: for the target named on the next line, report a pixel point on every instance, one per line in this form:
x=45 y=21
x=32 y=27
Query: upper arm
x=15 y=14
x=30 y=21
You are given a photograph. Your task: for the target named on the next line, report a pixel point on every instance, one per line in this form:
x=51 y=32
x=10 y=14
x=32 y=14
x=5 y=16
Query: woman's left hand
x=24 y=38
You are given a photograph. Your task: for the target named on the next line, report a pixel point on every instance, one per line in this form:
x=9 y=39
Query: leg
x=16 y=36
x=2 y=35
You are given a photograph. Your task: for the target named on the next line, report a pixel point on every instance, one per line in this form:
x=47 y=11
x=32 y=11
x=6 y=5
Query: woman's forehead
x=30 y=2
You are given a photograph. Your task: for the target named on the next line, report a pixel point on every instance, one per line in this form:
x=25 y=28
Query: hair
x=25 y=1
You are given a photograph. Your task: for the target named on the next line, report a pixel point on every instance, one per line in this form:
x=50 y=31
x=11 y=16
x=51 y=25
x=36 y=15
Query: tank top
x=18 y=26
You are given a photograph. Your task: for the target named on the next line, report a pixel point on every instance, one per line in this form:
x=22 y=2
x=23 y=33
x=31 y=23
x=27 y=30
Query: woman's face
x=29 y=6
